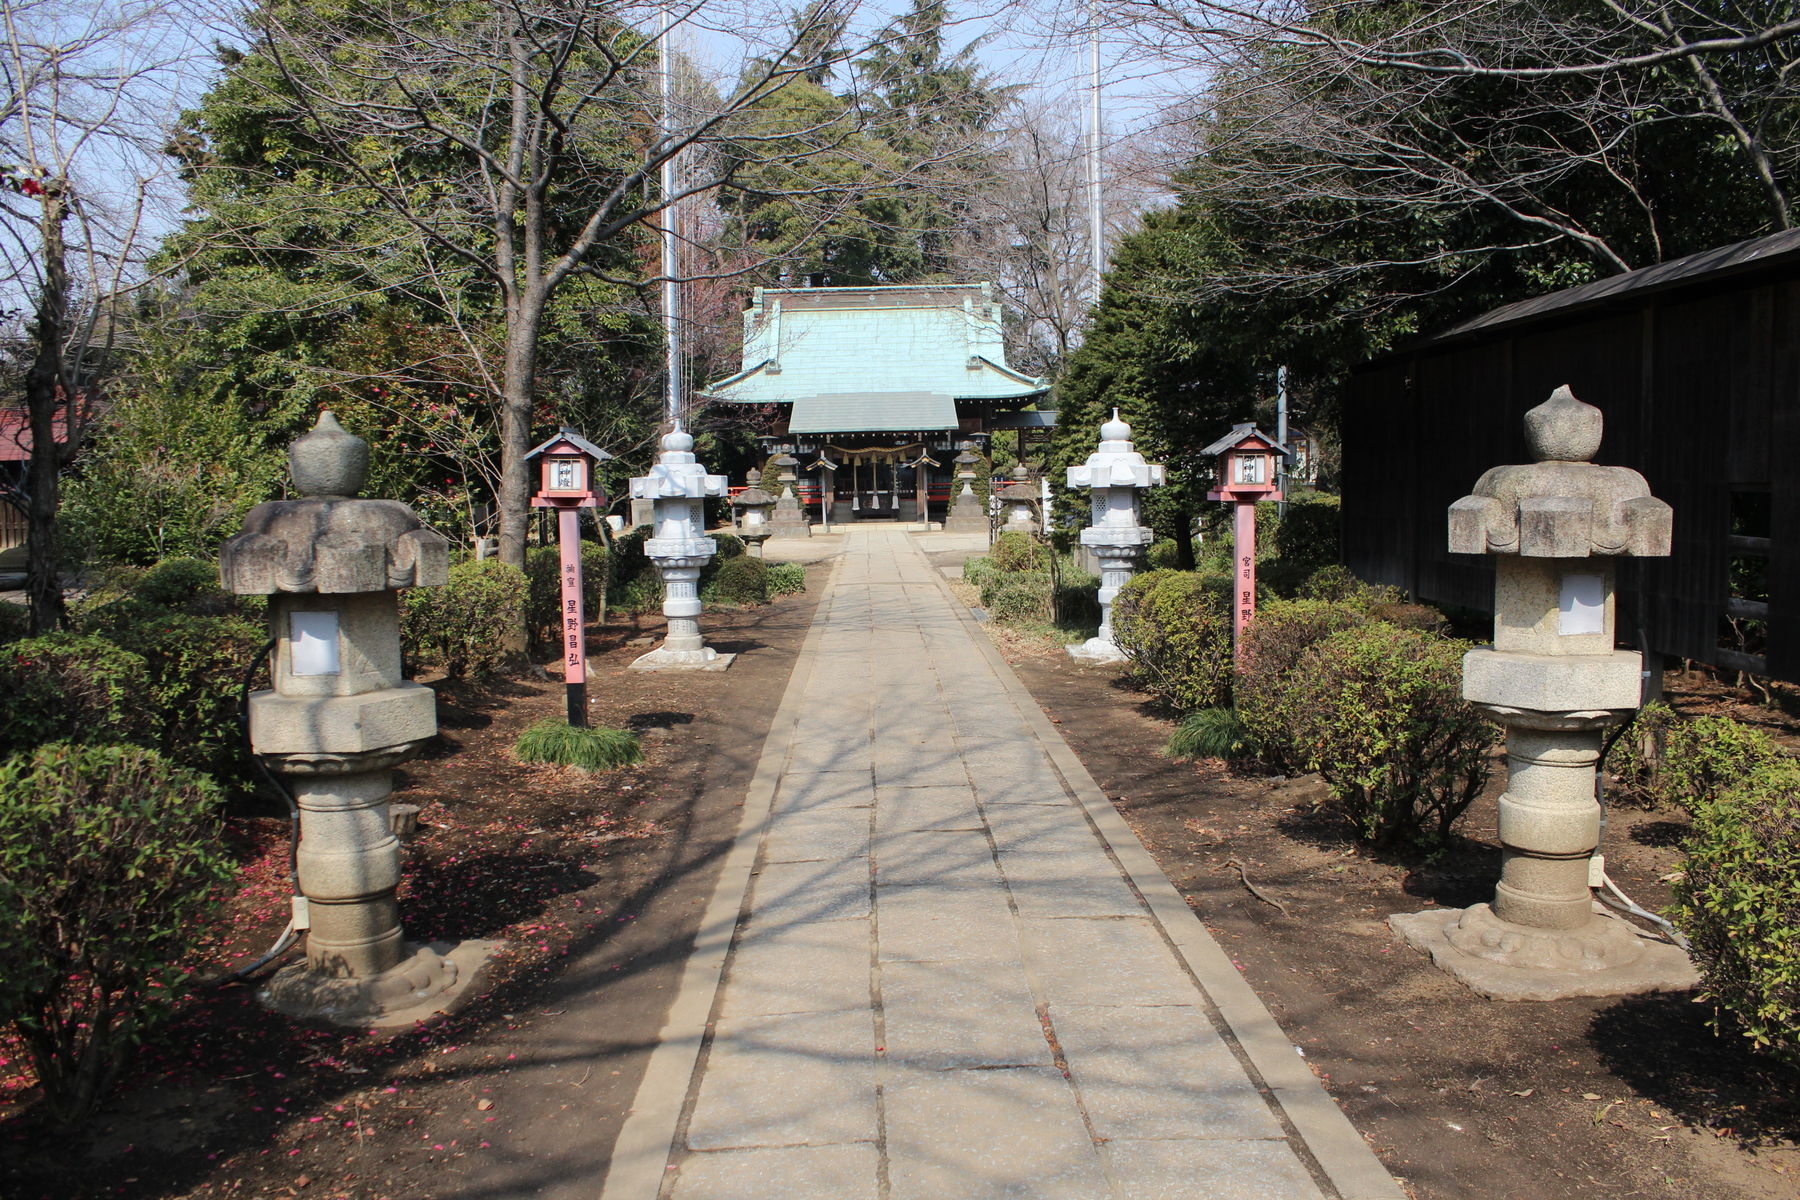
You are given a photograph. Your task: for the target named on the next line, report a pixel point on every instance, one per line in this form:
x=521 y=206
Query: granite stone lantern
x=678 y=487
x=966 y=513
x=1115 y=476
x=752 y=507
x=1018 y=500
x=789 y=519
x=1555 y=681
x=337 y=720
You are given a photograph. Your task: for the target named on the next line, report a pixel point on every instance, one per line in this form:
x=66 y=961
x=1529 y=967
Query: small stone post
x=338 y=719
x=1115 y=474
x=790 y=518
x=1555 y=681
x=678 y=486
x=966 y=513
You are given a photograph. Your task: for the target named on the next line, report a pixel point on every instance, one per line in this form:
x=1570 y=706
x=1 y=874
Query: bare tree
x=88 y=94
x=518 y=144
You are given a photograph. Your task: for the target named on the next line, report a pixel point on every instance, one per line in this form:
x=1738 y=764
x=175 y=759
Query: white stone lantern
x=1555 y=681
x=1115 y=475
x=678 y=487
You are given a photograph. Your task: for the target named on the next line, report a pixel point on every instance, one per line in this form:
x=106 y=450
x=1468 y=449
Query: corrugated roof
x=936 y=339
x=873 y=412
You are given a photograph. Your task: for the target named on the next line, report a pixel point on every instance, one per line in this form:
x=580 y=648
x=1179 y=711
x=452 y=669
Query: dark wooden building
x=1696 y=364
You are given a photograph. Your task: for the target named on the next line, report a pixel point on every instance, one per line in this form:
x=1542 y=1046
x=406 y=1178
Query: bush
x=785 y=578
x=1634 y=763
x=554 y=741
x=1307 y=537
x=1163 y=555
x=1015 y=551
x=1279 y=636
x=71 y=687
x=1175 y=628
x=1077 y=599
x=1336 y=583
x=543 y=603
x=108 y=855
x=1378 y=712
x=1209 y=733
x=187 y=584
x=1738 y=901
x=741 y=580
x=977 y=571
x=1704 y=756
x=467 y=626
x=730 y=546
x=1018 y=597
x=15 y=621
x=196 y=671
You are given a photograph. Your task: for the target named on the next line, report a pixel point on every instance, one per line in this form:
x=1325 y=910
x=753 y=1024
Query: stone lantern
x=789 y=519
x=752 y=506
x=1018 y=501
x=1555 y=681
x=966 y=513
x=678 y=487
x=1115 y=475
x=336 y=722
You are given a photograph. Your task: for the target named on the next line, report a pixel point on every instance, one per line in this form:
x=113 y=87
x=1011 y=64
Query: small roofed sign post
x=1247 y=476
x=566 y=484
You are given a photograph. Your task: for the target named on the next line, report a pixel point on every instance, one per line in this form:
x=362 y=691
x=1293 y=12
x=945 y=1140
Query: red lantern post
x=1247 y=476
x=566 y=484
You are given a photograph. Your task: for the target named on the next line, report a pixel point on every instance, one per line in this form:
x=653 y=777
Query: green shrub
x=1015 y=551
x=467 y=626
x=1336 y=583
x=543 y=604
x=741 y=580
x=730 y=546
x=1378 y=712
x=1175 y=628
x=977 y=571
x=1738 y=901
x=196 y=671
x=1307 y=537
x=1279 y=636
x=1634 y=762
x=1209 y=733
x=601 y=749
x=640 y=594
x=1018 y=597
x=1077 y=597
x=15 y=621
x=1705 y=755
x=1163 y=555
x=188 y=584
x=785 y=578
x=108 y=855
x=71 y=687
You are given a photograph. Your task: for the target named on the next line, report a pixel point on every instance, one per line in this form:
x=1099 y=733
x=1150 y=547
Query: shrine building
x=874 y=388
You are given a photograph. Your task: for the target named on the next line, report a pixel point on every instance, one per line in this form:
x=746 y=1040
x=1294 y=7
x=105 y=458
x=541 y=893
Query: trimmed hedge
x=1279 y=636
x=466 y=627
x=741 y=580
x=1175 y=629
x=1378 y=711
x=108 y=855
x=71 y=687
x=1738 y=901
x=1015 y=551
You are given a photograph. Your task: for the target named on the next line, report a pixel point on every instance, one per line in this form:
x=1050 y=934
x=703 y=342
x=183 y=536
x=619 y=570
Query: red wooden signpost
x=566 y=484
x=1247 y=475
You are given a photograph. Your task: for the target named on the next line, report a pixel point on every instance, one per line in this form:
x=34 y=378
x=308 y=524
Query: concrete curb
x=640 y=1157
x=1340 y=1151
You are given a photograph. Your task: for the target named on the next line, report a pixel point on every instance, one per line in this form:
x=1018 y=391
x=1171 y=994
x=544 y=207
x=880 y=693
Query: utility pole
x=665 y=222
x=1096 y=219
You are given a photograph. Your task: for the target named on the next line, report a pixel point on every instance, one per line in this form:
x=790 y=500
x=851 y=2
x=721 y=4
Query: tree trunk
x=44 y=395
x=522 y=319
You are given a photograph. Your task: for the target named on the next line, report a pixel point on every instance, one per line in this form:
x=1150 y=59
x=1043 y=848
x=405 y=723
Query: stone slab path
x=940 y=967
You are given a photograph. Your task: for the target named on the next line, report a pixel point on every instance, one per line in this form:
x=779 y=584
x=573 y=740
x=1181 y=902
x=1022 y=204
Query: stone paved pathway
x=955 y=974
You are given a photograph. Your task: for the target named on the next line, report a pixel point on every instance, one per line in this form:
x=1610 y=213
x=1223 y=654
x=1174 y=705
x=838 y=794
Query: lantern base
x=664 y=659
x=431 y=982
x=1097 y=650
x=1504 y=961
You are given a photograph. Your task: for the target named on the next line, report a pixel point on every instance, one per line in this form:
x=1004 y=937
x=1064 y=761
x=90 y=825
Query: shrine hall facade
x=874 y=388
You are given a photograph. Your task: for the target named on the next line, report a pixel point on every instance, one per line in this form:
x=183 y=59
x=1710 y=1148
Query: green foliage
x=1306 y=539
x=1015 y=551
x=730 y=545
x=1018 y=597
x=1738 y=901
x=543 y=605
x=1687 y=762
x=1634 y=763
x=15 y=621
x=785 y=578
x=1175 y=628
x=1336 y=583
x=741 y=580
x=1210 y=733
x=597 y=749
x=108 y=856
x=466 y=626
x=1267 y=702
x=71 y=687
x=1378 y=712
x=1163 y=555
x=1077 y=597
x=642 y=593
x=977 y=571
x=187 y=584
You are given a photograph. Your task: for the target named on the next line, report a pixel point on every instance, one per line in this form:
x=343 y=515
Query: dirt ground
x=1461 y=1096
x=595 y=883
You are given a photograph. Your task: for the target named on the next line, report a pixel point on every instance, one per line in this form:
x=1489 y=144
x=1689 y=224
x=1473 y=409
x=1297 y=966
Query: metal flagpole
x=1096 y=221
x=666 y=228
